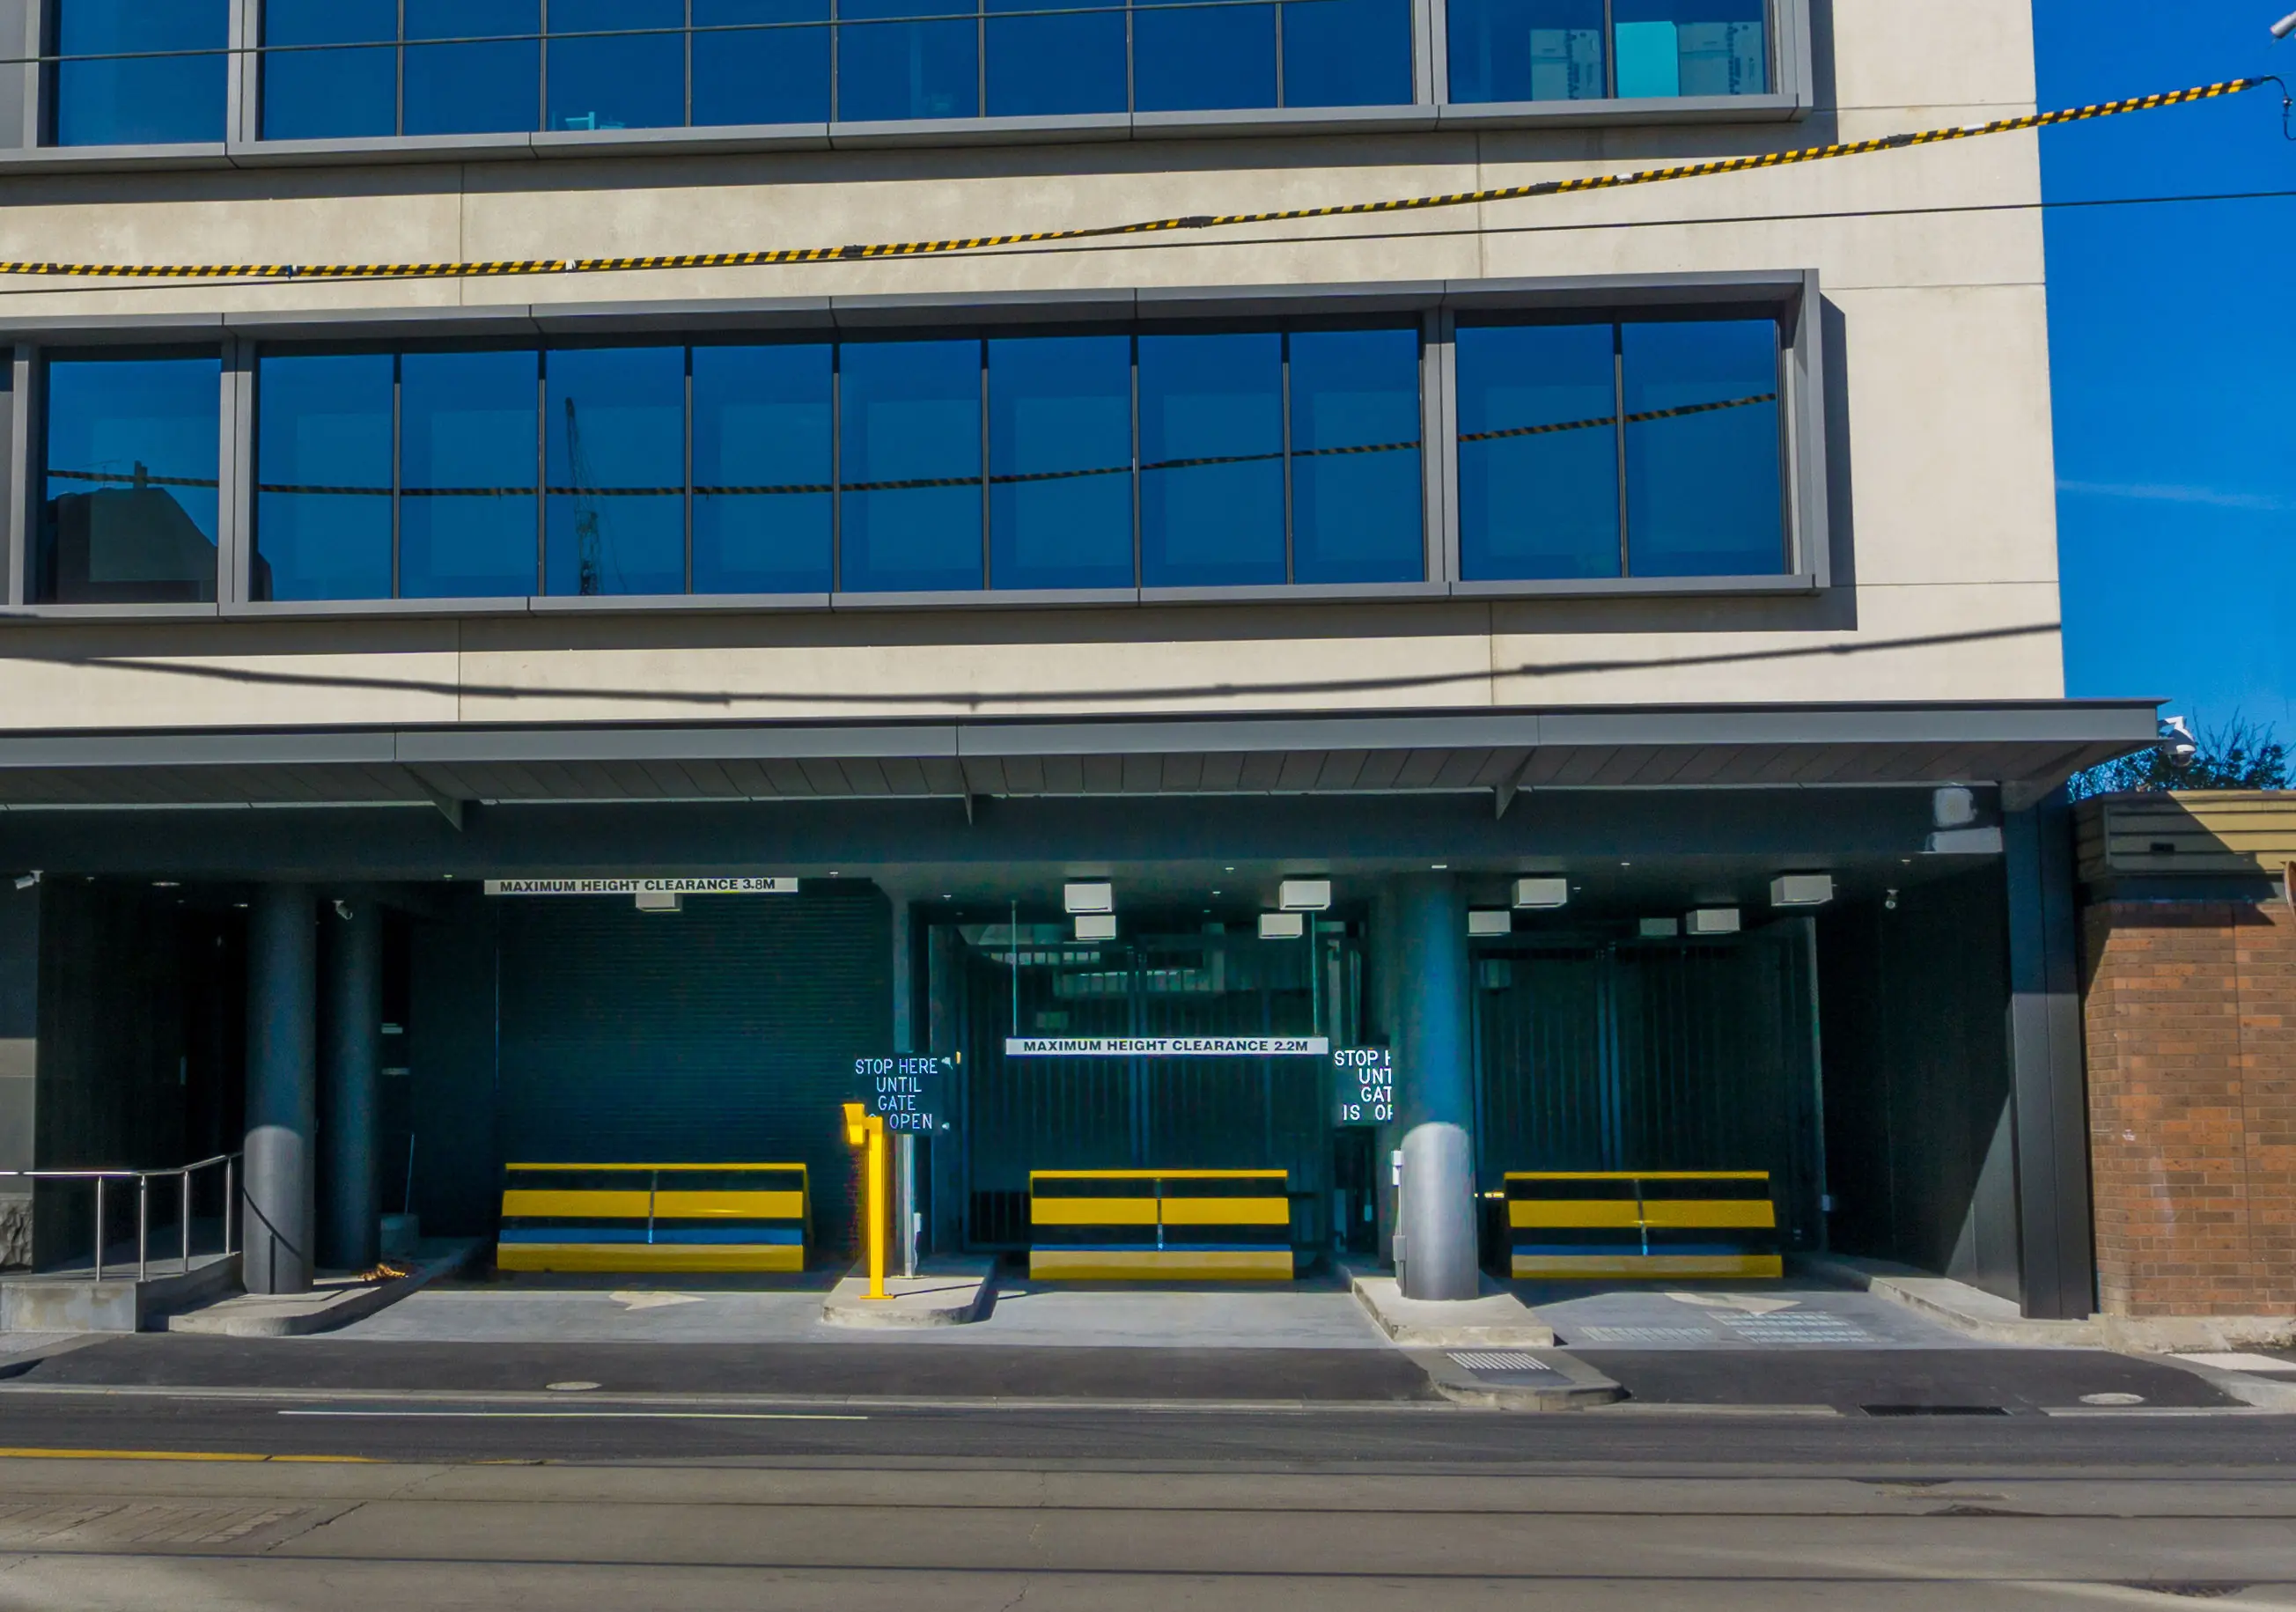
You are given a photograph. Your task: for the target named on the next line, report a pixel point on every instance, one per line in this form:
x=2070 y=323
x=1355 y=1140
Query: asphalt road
x=1321 y=1511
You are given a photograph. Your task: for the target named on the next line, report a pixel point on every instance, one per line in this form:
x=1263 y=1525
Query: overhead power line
x=495 y=268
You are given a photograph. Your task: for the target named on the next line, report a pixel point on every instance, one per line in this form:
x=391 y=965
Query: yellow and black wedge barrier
x=498 y=268
x=643 y=1218
x=1175 y=1225
x=1566 y=1225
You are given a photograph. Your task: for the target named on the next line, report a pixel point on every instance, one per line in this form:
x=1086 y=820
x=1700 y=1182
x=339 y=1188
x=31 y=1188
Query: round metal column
x=350 y=1228
x=282 y=1089
x=1435 y=1090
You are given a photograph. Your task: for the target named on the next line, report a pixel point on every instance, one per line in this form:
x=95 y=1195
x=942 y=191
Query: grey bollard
x=1437 y=1226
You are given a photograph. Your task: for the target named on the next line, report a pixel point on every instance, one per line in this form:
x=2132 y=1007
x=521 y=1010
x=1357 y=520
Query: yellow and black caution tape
x=497 y=269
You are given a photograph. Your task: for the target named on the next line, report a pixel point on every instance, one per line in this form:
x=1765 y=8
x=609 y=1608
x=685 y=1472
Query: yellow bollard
x=867 y=1131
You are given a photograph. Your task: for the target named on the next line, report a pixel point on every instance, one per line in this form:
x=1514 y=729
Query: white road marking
x=588 y=1415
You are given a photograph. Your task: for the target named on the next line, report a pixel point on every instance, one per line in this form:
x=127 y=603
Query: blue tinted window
x=1347 y=53
x=1200 y=58
x=487 y=84
x=1357 y=507
x=1538 y=452
x=161 y=97
x=628 y=80
x=762 y=73
x=1059 y=61
x=922 y=69
x=761 y=470
x=1691 y=47
x=1704 y=487
x=315 y=94
x=323 y=476
x=128 y=510
x=1060 y=462
x=615 y=422
x=1527 y=50
x=1212 y=460
x=468 y=453
x=908 y=436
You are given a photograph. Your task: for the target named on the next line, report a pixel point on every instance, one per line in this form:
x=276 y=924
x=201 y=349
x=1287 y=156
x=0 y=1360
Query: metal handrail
x=144 y=1180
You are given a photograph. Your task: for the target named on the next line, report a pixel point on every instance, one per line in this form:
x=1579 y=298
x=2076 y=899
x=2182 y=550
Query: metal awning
x=2025 y=748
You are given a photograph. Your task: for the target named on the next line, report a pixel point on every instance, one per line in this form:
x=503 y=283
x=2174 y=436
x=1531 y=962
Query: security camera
x=25 y=881
x=2177 y=741
x=343 y=911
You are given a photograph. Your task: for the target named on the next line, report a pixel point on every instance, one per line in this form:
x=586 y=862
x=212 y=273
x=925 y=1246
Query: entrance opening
x=1649 y=1106
x=1206 y=979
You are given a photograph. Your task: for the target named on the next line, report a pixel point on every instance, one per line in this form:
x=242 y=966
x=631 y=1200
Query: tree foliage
x=2239 y=755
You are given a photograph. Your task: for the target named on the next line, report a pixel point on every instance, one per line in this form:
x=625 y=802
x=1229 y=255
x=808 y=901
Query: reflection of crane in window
x=589 y=545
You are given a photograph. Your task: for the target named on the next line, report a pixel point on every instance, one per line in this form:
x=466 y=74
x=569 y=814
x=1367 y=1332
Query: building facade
x=1629 y=620
x=2190 y=979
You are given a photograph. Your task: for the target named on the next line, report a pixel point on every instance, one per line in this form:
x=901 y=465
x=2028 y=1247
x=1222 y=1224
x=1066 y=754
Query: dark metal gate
x=1025 y=1114
x=1684 y=1055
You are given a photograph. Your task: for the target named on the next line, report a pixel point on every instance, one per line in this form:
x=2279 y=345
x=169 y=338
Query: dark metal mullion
x=1619 y=403
x=980 y=72
x=1138 y=535
x=689 y=360
x=542 y=72
x=1131 y=57
x=836 y=466
x=541 y=473
x=398 y=452
x=1286 y=384
x=988 y=515
x=836 y=65
x=1279 y=53
x=689 y=450
x=1610 y=51
x=399 y=54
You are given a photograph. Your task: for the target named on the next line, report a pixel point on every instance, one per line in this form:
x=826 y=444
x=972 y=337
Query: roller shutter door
x=725 y=1034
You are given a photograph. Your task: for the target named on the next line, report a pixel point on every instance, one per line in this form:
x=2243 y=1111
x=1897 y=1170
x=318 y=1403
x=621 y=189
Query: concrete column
x=349 y=1225
x=1435 y=1232
x=19 y=1063
x=281 y=1089
x=2048 y=1068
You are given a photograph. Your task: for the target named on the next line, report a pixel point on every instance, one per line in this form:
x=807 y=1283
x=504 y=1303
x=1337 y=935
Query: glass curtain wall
x=1649 y=449
x=138 y=73
x=948 y=464
x=352 y=69
x=129 y=502
x=1595 y=50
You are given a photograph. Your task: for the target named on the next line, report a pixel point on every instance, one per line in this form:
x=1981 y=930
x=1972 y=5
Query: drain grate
x=1621 y=1335
x=1934 y=1410
x=1502 y=1361
x=2204 y=1589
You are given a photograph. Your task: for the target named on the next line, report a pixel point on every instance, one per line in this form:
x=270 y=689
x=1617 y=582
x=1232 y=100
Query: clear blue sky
x=2172 y=333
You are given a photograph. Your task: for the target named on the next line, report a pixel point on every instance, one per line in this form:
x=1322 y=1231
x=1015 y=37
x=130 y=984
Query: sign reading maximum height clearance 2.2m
x=1168 y=1047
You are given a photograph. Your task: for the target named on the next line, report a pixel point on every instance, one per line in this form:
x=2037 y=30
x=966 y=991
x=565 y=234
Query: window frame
x=1791 y=99
x=1791 y=297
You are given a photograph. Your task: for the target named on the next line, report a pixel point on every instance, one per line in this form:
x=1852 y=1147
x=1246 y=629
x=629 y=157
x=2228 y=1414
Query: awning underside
x=2026 y=749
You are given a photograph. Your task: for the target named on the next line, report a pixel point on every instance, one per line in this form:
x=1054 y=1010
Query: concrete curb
x=1582 y=1388
x=1496 y=1319
x=1992 y=1318
x=257 y=1315
x=2260 y=1392
x=950 y=1293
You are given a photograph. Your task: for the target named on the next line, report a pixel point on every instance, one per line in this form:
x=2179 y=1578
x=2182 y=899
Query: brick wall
x=2191 y=1020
